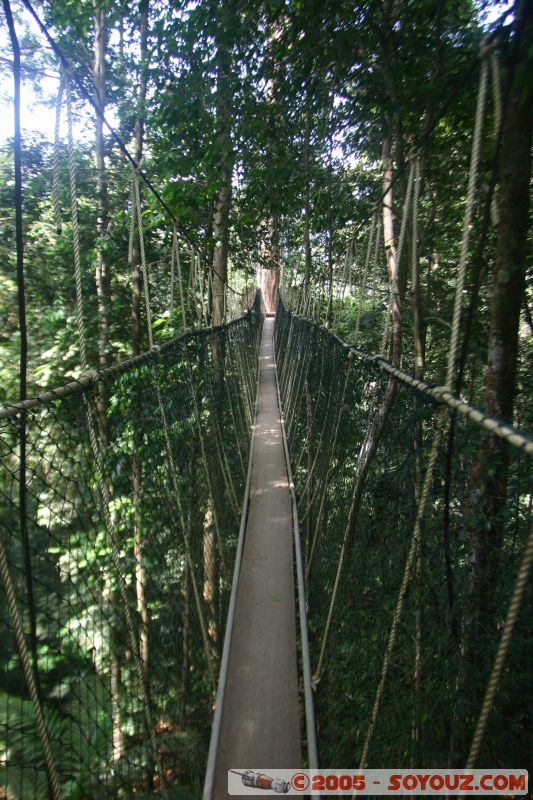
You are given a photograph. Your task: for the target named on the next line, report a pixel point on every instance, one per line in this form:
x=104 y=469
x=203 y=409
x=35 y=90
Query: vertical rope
x=362 y=285
x=467 y=223
x=40 y=723
x=173 y=249
x=415 y=175
x=177 y=262
x=75 y=229
x=519 y=591
x=498 y=112
x=55 y=168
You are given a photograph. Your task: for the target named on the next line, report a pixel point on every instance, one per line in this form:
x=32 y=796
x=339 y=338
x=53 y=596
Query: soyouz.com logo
x=427 y=782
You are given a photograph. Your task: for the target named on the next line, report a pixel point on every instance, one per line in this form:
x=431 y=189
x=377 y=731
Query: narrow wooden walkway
x=260 y=713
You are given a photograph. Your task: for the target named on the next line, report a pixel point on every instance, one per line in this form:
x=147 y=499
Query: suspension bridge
x=241 y=539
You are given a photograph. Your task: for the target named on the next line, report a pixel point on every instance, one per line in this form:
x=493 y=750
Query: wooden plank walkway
x=260 y=725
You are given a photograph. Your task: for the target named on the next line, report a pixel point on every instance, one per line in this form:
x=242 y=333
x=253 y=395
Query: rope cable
x=55 y=169
x=362 y=287
x=519 y=591
x=467 y=223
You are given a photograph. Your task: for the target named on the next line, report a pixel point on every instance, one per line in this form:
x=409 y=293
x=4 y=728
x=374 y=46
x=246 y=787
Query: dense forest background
x=263 y=126
x=280 y=136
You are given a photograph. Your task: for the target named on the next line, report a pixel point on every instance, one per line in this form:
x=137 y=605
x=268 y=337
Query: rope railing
x=361 y=497
x=119 y=700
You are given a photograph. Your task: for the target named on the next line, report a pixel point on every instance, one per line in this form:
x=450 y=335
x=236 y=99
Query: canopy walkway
x=259 y=697
x=117 y=542
x=255 y=545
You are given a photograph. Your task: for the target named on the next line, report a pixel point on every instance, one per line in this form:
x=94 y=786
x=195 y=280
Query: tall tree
x=224 y=114
x=103 y=276
x=140 y=570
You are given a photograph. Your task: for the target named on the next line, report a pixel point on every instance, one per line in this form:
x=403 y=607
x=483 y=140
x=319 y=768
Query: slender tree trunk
x=117 y=739
x=186 y=646
x=103 y=279
x=138 y=154
x=310 y=453
x=210 y=573
x=140 y=572
x=103 y=292
x=390 y=251
x=377 y=425
x=419 y=354
x=329 y=247
x=270 y=270
x=489 y=474
x=419 y=335
x=224 y=109
x=329 y=256
x=307 y=198
x=270 y=275
x=221 y=211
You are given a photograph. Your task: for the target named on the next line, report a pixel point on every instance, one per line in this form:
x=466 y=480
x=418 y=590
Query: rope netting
x=117 y=582
x=410 y=667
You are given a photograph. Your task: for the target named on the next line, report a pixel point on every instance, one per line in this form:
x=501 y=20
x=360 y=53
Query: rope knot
x=155 y=349
x=88 y=376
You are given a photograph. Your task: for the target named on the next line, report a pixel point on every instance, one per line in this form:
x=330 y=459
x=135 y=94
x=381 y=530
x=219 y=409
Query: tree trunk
x=390 y=251
x=138 y=154
x=329 y=255
x=117 y=739
x=224 y=111
x=140 y=573
x=329 y=247
x=186 y=646
x=103 y=280
x=268 y=281
x=103 y=292
x=209 y=560
x=224 y=108
x=307 y=199
x=489 y=474
x=310 y=452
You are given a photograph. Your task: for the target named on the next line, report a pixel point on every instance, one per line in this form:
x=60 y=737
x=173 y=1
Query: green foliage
x=309 y=92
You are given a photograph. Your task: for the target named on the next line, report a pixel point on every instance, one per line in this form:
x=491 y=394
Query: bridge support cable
x=519 y=591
